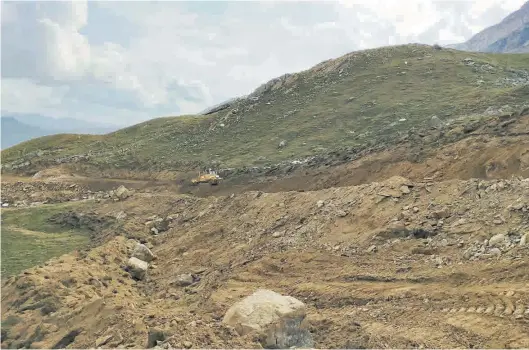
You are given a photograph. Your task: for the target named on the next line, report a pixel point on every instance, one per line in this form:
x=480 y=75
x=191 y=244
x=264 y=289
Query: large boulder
x=143 y=253
x=137 y=268
x=280 y=320
x=122 y=193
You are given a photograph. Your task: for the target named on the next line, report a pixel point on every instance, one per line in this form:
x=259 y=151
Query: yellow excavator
x=210 y=177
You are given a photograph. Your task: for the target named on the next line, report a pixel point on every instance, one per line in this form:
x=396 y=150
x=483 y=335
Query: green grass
x=354 y=101
x=28 y=239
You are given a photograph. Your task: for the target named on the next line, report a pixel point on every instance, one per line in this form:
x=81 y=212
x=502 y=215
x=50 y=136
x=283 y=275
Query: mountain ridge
x=508 y=36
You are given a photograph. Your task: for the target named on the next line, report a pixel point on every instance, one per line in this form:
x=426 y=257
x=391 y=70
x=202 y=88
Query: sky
x=125 y=62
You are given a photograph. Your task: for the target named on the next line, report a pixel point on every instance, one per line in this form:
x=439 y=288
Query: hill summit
x=363 y=100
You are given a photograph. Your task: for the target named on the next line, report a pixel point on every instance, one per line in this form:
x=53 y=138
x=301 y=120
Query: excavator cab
x=209 y=176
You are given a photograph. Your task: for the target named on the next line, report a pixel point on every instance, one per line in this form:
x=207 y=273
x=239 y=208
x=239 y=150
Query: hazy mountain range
x=511 y=35
x=20 y=128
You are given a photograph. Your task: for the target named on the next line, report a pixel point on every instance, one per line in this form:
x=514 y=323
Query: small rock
x=187 y=344
x=468 y=254
x=282 y=144
x=495 y=252
x=497 y=240
x=415 y=209
x=441 y=214
x=154 y=337
x=122 y=193
x=143 y=253
x=341 y=213
x=524 y=240
x=277 y=234
x=161 y=225
x=320 y=203
x=372 y=249
x=497 y=222
x=517 y=206
x=103 y=340
x=154 y=230
x=404 y=189
x=137 y=268
x=183 y=280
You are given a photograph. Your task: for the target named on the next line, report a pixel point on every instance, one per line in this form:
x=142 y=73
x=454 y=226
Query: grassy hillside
x=362 y=99
x=29 y=238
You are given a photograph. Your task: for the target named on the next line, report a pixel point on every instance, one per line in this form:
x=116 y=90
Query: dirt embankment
x=393 y=264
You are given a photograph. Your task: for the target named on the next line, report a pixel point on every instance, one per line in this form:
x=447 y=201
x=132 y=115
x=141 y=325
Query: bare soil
x=418 y=287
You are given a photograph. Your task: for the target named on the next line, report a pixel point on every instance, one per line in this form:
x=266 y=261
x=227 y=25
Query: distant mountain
x=511 y=35
x=20 y=128
x=14 y=132
x=66 y=125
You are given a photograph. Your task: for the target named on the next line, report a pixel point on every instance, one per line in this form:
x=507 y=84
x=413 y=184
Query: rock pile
x=138 y=263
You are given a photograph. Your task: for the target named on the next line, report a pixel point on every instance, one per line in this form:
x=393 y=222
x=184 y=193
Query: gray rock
x=469 y=253
x=279 y=319
x=320 y=203
x=372 y=249
x=341 y=213
x=161 y=224
x=183 y=280
x=497 y=240
x=282 y=144
x=137 y=268
x=143 y=253
x=495 y=252
x=524 y=240
x=517 y=206
x=154 y=337
x=278 y=234
x=404 y=189
x=122 y=193
x=441 y=214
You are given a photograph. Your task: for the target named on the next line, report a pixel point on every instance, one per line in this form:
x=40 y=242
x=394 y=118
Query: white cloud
x=130 y=61
x=24 y=96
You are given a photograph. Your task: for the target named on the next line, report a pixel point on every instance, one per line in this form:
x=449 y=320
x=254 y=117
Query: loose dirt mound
x=391 y=264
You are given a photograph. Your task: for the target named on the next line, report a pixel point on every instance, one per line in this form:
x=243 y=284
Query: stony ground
x=397 y=263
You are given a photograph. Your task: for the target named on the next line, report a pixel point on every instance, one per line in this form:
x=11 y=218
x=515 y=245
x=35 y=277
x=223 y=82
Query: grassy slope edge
x=361 y=99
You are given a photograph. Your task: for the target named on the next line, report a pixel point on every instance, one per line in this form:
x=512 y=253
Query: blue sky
x=128 y=61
